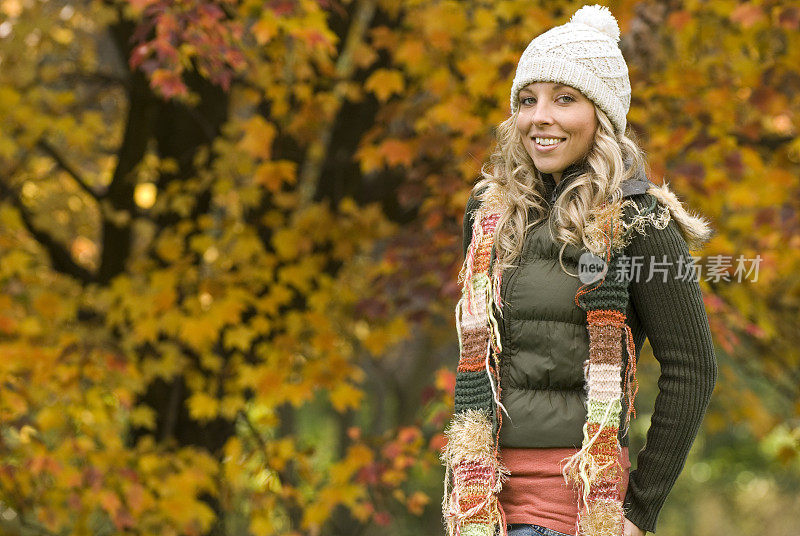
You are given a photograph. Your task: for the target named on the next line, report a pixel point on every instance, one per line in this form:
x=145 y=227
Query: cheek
x=580 y=132
x=521 y=127
x=589 y=124
x=579 y=122
x=524 y=119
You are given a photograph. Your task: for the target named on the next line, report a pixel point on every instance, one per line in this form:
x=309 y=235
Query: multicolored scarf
x=474 y=474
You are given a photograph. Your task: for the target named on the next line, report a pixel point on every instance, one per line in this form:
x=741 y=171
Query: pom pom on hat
x=598 y=17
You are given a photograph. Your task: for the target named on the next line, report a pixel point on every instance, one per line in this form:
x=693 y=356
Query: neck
x=558 y=175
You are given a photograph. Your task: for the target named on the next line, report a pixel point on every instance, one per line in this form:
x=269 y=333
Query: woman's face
x=551 y=110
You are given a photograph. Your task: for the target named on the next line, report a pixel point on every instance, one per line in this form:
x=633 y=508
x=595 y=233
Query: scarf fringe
x=471 y=461
x=602 y=517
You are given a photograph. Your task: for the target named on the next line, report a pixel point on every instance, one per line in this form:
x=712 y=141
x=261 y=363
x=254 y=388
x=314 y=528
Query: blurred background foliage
x=230 y=233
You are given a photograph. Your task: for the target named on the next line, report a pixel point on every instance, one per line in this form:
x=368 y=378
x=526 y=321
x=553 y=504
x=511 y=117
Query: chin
x=549 y=169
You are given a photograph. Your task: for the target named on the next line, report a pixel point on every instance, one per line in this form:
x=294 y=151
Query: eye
x=524 y=100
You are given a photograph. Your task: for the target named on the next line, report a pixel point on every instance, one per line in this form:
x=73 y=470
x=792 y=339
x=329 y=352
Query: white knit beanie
x=584 y=54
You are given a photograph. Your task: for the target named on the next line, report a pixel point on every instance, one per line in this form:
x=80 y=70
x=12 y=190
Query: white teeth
x=547 y=141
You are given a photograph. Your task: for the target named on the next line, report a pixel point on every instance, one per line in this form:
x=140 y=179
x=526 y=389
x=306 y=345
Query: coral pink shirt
x=536 y=492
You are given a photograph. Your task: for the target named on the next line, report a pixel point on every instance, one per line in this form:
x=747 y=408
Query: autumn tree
x=230 y=235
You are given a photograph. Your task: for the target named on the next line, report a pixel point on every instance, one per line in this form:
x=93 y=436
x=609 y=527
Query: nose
x=542 y=113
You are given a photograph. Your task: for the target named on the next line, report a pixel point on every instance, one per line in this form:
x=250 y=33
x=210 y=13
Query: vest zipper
x=505 y=283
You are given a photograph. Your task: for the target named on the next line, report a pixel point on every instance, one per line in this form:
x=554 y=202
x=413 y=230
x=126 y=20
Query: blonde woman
x=572 y=258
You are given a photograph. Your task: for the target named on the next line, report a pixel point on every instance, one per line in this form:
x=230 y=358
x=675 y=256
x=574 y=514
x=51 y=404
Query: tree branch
x=116 y=233
x=96 y=77
x=311 y=170
x=60 y=257
x=71 y=171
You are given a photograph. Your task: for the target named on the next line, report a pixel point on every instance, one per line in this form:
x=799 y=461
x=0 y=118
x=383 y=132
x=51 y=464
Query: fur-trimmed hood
x=695 y=228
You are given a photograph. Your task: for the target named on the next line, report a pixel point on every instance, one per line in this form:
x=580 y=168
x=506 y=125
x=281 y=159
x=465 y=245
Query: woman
x=572 y=258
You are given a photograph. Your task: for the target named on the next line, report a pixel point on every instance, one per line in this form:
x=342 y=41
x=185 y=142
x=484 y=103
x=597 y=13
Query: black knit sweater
x=673 y=317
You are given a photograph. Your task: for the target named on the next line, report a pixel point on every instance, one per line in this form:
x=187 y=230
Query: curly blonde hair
x=515 y=181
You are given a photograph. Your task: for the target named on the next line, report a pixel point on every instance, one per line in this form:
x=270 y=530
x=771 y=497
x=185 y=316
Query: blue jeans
x=522 y=529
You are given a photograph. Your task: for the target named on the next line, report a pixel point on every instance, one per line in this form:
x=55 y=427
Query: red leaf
x=446 y=380
x=747 y=15
x=789 y=18
x=408 y=434
x=281 y=7
x=679 y=19
x=382 y=518
x=138 y=55
x=438 y=442
x=168 y=83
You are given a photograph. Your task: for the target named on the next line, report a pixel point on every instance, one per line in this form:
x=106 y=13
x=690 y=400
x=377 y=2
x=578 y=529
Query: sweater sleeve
x=674 y=318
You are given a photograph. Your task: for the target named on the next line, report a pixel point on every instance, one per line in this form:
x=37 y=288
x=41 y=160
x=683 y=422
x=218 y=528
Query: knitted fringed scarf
x=595 y=469
x=471 y=454
x=473 y=468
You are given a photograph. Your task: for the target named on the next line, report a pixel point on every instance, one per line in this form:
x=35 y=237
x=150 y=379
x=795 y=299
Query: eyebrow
x=555 y=87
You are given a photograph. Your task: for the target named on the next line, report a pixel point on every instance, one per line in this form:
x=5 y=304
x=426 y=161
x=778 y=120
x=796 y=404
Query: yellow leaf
x=265 y=29
x=198 y=332
x=144 y=416
x=280 y=452
x=200 y=243
x=376 y=341
x=48 y=305
x=110 y=502
x=273 y=175
x=358 y=456
x=397 y=152
x=410 y=53
x=164 y=300
x=364 y=55
x=239 y=337
x=50 y=418
x=300 y=276
x=233 y=449
x=170 y=247
x=70 y=477
x=258 y=136
x=231 y=405
x=349 y=494
x=285 y=242
x=150 y=463
x=62 y=36
x=260 y=525
x=384 y=83
x=370 y=158
x=315 y=513
x=202 y=406
x=211 y=361
x=16 y=261
x=26 y=432
x=416 y=503
x=345 y=396
x=137 y=498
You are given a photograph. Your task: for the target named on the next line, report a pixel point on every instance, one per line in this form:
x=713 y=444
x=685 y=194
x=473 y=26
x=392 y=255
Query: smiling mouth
x=547 y=147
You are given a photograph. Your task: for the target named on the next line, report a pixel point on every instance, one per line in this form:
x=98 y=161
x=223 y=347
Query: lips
x=547 y=148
